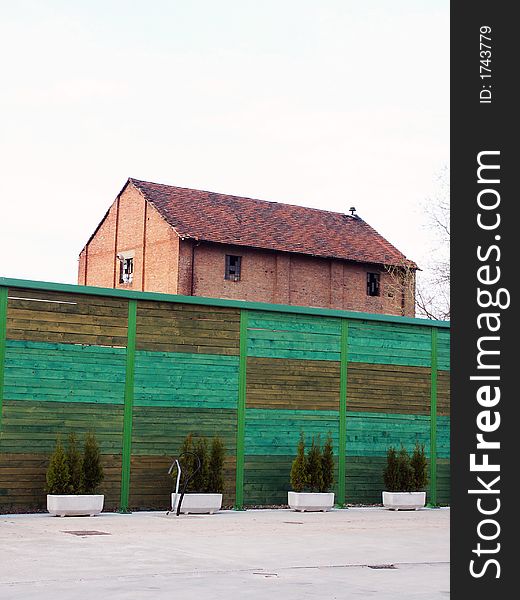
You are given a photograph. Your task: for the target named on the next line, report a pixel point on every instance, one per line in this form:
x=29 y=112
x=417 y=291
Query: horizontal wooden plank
x=293 y=337
x=292 y=384
x=388 y=343
x=35 y=425
x=49 y=297
x=161 y=431
x=443 y=392
x=277 y=432
x=173 y=328
x=68 y=375
x=186 y=380
x=67 y=318
x=389 y=389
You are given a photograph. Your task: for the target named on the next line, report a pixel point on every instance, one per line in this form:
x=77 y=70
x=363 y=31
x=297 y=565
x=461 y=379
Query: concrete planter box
x=198 y=503
x=310 y=501
x=404 y=500
x=75 y=505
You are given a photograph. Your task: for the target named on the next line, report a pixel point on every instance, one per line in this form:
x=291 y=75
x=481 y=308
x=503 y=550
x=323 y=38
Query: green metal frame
x=129 y=294
x=3 y=327
x=342 y=449
x=129 y=405
x=433 y=421
x=241 y=412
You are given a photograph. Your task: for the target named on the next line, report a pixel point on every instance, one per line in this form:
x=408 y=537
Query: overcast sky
x=324 y=103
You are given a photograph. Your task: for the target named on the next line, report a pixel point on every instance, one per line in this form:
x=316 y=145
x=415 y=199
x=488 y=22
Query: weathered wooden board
x=443 y=481
x=34 y=426
x=278 y=335
x=389 y=343
x=186 y=380
x=167 y=327
x=443 y=392
x=69 y=318
x=276 y=432
x=364 y=479
x=267 y=479
x=64 y=372
x=388 y=388
x=371 y=434
x=277 y=383
x=161 y=431
x=443 y=349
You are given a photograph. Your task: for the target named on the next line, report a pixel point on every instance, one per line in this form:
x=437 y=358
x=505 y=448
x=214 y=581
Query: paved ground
x=260 y=555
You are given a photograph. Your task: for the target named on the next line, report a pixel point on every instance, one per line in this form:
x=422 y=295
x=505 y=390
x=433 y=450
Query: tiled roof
x=225 y=219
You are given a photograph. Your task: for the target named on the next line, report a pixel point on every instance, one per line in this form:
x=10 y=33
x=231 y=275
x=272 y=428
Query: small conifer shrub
x=210 y=477
x=75 y=464
x=299 y=476
x=58 y=476
x=405 y=471
x=314 y=465
x=327 y=465
x=405 y=474
x=391 y=473
x=419 y=466
x=199 y=482
x=92 y=467
x=215 y=483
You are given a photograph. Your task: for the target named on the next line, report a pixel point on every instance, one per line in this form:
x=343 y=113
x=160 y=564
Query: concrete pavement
x=257 y=555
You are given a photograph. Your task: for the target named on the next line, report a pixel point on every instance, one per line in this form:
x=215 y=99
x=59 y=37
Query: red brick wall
x=155 y=247
x=287 y=279
x=163 y=263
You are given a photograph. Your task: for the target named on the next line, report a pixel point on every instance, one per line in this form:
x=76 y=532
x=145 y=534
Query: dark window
x=373 y=284
x=233 y=267
x=126 y=270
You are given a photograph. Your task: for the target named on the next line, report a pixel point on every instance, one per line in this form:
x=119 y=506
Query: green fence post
x=129 y=405
x=241 y=411
x=433 y=420
x=3 y=328
x=342 y=446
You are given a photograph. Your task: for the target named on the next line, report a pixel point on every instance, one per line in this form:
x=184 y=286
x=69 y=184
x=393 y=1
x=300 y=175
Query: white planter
x=75 y=505
x=198 y=503
x=404 y=500
x=310 y=501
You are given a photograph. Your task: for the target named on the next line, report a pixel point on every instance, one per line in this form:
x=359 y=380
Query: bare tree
x=430 y=284
x=433 y=282
x=401 y=285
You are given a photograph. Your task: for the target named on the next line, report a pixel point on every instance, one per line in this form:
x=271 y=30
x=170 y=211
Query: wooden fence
x=143 y=369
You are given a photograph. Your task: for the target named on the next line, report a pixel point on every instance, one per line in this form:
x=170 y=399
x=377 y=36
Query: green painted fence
x=143 y=370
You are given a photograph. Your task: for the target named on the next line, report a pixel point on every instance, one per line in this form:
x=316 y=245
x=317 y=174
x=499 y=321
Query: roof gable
x=236 y=220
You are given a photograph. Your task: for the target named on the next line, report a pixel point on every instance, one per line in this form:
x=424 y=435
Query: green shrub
x=215 y=483
x=314 y=466
x=58 y=476
x=327 y=465
x=92 y=468
x=405 y=471
x=391 y=473
x=188 y=462
x=75 y=464
x=299 y=476
x=210 y=477
x=419 y=466
x=199 y=482
x=405 y=474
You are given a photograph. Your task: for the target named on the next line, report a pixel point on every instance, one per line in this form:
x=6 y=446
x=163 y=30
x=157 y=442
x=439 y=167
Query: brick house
x=176 y=240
